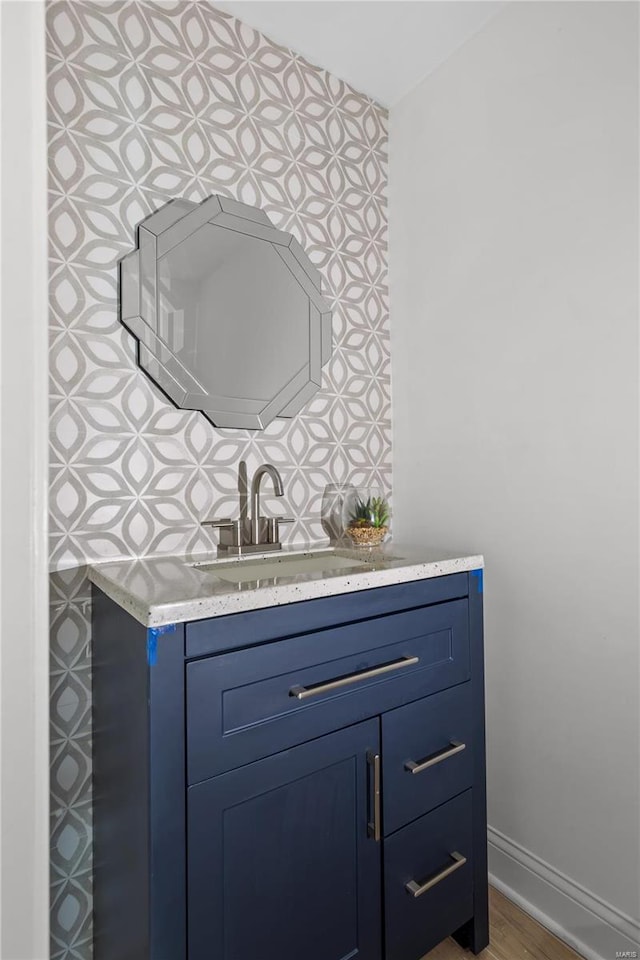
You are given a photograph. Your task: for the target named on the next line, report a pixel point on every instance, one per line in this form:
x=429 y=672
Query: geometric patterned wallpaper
x=149 y=101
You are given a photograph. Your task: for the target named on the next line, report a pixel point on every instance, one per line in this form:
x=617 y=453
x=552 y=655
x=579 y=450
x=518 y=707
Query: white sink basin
x=268 y=568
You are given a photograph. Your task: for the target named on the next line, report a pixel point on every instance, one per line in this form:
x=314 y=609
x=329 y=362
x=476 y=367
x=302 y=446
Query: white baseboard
x=595 y=929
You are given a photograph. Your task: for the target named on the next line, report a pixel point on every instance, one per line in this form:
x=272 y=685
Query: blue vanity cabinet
x=297 y=781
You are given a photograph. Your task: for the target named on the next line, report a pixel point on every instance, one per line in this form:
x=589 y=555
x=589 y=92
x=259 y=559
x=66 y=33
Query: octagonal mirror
x=227 y=311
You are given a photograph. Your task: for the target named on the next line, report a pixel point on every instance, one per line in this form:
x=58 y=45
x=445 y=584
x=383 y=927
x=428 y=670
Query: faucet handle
x=230 y=530
x=273 y=527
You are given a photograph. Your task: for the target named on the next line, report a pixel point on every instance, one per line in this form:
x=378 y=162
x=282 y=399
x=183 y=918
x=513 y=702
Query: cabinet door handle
x=302 y=693
x=374 y=826
x=417 y=889
x=454 y=747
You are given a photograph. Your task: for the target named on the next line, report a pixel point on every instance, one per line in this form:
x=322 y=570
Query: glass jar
x=332 y=510
x=365 y=516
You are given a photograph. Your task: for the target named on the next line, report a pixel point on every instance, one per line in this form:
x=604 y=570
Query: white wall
x=24 y=656
x=514 y=264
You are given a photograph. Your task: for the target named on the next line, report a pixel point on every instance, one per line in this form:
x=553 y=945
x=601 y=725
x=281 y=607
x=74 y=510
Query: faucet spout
x=255 y=496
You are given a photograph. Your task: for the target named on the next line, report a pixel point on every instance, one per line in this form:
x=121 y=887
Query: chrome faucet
x=254 y=534
x=255 y=496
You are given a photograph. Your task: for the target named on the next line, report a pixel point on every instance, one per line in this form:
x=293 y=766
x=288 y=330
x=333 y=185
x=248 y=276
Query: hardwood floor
x=514 y=936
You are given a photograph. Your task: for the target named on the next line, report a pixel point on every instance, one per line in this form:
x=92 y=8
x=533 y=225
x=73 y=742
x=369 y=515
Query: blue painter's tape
x=478 y=575
x=152 y=640
x=152 y=647
x=168 y=628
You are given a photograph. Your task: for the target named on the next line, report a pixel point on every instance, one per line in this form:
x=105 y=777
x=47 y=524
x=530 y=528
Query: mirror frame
x=159 y=233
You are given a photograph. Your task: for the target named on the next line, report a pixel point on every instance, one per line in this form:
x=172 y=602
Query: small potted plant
x=367 y=519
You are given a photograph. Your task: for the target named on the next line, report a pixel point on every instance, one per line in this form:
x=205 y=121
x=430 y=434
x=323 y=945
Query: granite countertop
x=163 y=590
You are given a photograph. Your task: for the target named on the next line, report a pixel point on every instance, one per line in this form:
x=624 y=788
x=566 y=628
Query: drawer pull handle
x=417 y=889
x=302 y=693
x=373 y=827
x=454 y=747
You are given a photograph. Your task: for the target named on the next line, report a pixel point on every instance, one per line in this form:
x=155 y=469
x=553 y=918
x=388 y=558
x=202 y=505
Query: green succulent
x=372 y=512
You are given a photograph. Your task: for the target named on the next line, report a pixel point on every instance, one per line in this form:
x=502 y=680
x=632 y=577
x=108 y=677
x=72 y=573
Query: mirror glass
x=227 y=310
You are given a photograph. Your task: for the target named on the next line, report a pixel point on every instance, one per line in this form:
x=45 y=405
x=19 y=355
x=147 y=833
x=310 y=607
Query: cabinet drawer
x=426 y=754
x=251 y=703
x=432 y=855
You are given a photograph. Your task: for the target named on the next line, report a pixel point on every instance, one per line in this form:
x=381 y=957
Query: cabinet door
x=281 y=865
